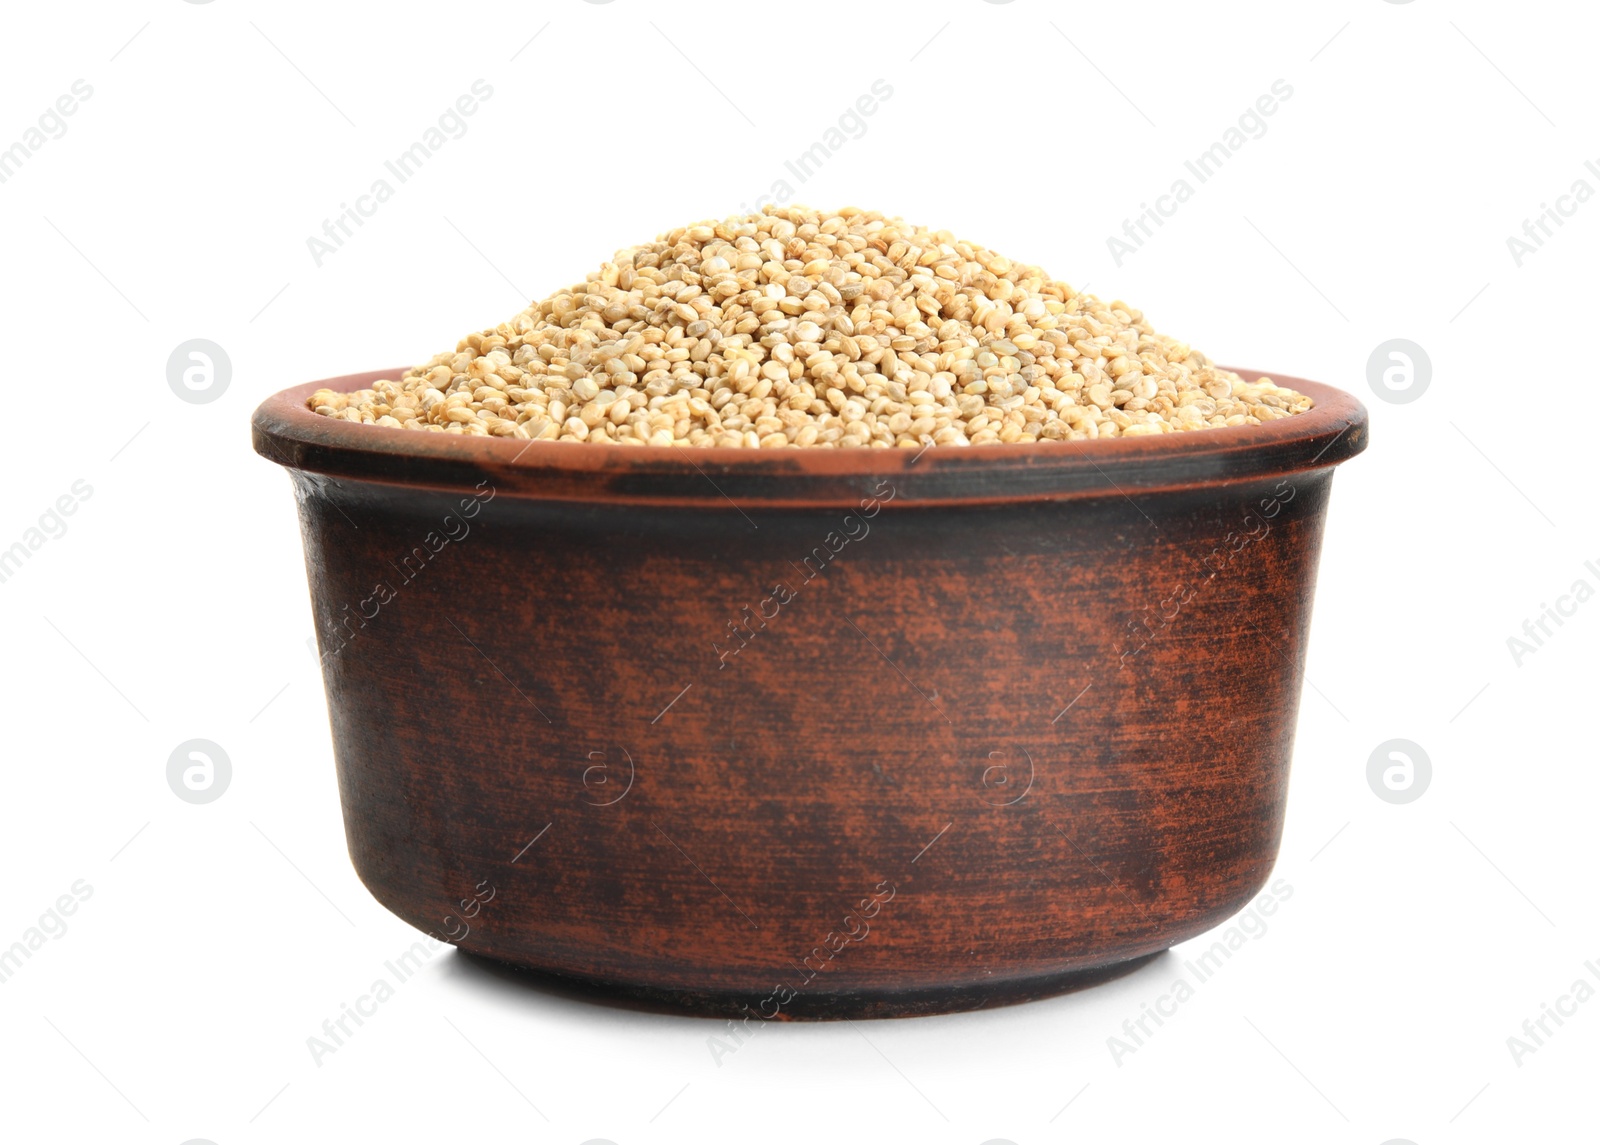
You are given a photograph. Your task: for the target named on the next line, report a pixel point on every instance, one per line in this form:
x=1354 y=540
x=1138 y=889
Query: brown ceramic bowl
x=813 y=733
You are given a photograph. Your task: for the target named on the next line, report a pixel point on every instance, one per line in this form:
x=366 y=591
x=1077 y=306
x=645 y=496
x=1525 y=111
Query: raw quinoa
x=796 y=327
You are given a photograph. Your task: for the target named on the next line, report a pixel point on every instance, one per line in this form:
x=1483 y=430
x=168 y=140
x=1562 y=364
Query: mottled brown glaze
x=1032 y=720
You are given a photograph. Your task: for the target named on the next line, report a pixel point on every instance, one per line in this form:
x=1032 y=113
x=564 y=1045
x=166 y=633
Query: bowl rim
x=284 y=430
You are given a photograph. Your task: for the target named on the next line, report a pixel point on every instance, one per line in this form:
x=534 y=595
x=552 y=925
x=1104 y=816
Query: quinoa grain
x=794 y=328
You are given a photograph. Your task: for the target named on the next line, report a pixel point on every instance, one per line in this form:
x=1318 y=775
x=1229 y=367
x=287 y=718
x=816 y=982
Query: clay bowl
x=813 y=733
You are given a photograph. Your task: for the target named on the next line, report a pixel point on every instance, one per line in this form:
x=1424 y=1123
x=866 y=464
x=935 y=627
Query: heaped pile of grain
x=799 y=328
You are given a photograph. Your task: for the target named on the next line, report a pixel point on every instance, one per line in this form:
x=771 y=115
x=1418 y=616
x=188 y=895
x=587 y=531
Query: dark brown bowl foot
x=813 y=1005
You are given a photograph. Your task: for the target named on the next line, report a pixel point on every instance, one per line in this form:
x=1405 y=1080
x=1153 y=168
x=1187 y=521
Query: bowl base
x=809 y=1005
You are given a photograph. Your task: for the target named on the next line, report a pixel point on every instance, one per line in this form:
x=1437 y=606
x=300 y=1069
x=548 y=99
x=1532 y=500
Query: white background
x=1377 y=205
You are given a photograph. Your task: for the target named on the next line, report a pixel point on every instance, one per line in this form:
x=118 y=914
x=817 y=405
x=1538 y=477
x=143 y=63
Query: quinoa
x=794 y=327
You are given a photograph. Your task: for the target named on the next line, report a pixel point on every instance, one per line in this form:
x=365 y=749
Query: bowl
x=813 y=733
